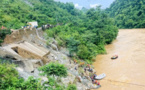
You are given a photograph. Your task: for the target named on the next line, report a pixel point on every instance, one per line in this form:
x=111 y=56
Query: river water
x=128 y=71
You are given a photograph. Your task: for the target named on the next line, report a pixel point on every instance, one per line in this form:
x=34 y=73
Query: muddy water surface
x=128 y=71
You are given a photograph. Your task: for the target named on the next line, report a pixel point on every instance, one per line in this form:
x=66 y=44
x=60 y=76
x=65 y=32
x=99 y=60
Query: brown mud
x=127 y=72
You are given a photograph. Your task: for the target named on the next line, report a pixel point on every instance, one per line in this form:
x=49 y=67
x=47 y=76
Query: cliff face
x=19 y=35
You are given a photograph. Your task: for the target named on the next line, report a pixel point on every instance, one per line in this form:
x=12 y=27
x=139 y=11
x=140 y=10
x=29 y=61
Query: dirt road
x=128 y=71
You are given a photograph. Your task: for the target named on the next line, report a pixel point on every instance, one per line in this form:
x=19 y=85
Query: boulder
x=54 y=47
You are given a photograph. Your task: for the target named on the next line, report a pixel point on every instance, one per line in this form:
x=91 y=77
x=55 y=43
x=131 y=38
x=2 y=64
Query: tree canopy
x=87 y=35
x=16 y=13
x=128 y=13
x=54 y=69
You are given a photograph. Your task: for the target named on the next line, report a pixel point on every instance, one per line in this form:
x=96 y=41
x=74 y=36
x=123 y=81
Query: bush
x=8 y=76
x=71 y=87
x=10 y=80
x=83 y=52
x=3 y=34
x=54 y=69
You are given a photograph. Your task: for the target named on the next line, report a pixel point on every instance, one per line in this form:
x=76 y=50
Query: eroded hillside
x=27 y=48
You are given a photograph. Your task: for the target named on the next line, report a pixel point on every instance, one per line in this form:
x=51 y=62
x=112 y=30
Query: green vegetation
x=84 y=32
x=87 y=36
x=71 y=87
x=10 y=80
x=3 y=33
x=128 y=13
x=16 y=13
x=54 y=84
x=54 y=69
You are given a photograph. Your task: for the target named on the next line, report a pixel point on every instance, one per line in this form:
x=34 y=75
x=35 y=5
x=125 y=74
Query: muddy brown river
x=128 y=71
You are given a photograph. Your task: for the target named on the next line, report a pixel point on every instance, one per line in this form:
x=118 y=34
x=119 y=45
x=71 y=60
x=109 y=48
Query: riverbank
x=126 y=72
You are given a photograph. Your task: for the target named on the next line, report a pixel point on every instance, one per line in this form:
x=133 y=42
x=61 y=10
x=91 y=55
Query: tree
x=127 y=13
x=74 y=27
x=3 y=33
x=72 y=45
x=8 y=76
x=10 y=80
x=54 y=69
x=83 y=52
x=71 y=87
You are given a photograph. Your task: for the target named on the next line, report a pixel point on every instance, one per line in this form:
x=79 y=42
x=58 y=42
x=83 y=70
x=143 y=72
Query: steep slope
x=16 y=13
x=29 y=55
x=128 y=13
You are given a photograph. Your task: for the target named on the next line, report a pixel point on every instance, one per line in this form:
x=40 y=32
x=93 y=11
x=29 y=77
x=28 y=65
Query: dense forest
x=128 y=13
x=16 y=13
x=86 y=37
x=83 y=33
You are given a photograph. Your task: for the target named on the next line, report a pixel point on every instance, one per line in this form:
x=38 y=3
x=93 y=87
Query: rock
x=44 y=79
x=54 y=47
x=19 y=63
x=37 y=63
x=51 y=56
x=22 y=73
x=69 y=79
x=80 y=86
x=79 y=79
x=64 y=51
x=36 y=73
x=28 y=66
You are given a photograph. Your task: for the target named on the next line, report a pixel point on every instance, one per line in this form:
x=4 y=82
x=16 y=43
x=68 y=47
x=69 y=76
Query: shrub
x=10 y=80
x=8 y=76
x=3 y=33
x=54 y=69
x=71 y=87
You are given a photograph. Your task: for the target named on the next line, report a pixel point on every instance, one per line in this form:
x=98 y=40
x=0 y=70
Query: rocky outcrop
x=18 y=35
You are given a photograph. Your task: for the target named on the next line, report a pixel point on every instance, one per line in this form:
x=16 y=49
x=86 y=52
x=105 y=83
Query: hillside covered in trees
x=16 y=13
x=83 y=33
x=128 y=13
x=87 y=36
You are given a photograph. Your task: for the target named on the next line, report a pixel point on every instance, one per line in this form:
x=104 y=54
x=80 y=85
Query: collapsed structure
x=27 y=48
